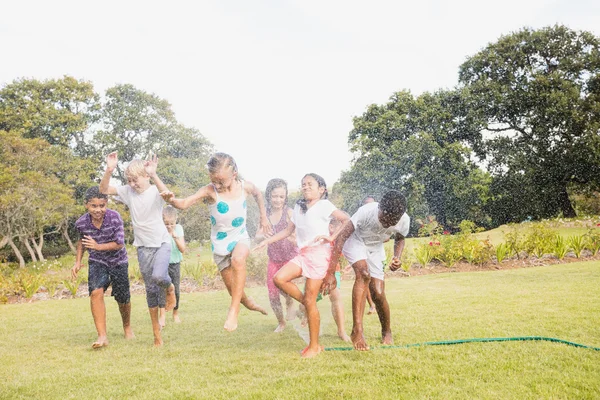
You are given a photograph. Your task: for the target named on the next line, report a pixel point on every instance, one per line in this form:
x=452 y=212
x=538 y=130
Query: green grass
x=45 y=346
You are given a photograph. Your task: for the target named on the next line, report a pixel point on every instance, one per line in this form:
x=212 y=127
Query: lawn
x=46 y=349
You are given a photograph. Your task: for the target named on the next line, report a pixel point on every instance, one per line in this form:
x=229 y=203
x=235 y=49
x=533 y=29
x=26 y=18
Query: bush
x=592 y=240
x=539 y=240
x=577 y=243
x=502 y=251
x=256 y=266
x=560 y=247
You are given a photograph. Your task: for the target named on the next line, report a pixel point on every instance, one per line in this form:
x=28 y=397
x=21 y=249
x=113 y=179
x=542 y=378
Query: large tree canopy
x=532 y=106
x=414 y=145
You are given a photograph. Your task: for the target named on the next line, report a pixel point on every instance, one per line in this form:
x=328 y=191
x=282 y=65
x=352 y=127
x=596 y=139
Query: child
x=177 y=250
x=151 y=237
x=101 y=234
x=226 y=196
x=362 y=238
x=310 y=219
x=279 y=252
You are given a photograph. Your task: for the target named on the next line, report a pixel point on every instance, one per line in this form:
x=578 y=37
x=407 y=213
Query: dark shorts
x=102 y=276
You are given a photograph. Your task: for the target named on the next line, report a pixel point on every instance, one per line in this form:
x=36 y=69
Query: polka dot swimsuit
x=228 y=223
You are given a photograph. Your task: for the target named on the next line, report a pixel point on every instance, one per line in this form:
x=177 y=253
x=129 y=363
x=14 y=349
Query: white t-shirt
x=313 y=223
x=368 y=229
x=145 y=209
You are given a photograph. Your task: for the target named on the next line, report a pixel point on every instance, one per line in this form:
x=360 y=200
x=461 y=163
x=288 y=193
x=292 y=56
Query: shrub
x=577 y=243
x=201 y=271
x=30 y=283
x=592 y=240
x=72 y=285
x=560 y=247
x=424 y=253
x=539 y=240
x=502 y=251
x=514 y=241
x=256 y=266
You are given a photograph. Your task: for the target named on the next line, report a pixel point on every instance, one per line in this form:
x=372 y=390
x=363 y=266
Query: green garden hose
x=460 y=341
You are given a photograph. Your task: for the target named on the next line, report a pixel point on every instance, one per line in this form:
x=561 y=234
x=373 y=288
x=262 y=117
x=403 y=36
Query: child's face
x=387 y=220
x=96 y=208
x=311 y=189
x=169 y=222
x=223 y=178
x=277 y=199
x=138 y=183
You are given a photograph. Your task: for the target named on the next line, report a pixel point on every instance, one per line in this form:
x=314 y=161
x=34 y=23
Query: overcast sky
x=273 y=83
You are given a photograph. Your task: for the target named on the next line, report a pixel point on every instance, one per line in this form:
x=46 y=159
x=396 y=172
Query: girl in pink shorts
x=280 y=252
x=310 y=220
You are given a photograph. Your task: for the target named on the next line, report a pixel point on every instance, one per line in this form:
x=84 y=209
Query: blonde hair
x=135 y=168
x=170 y=212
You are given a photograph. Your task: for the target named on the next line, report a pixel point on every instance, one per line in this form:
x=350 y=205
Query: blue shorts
x=103 y=276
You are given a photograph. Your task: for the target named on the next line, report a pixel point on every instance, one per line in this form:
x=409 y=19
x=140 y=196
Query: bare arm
x=150 y=167
x=89 y=243
x=278 y=236
x=340 y=237
x=78 y=258
x=399 y=243
x=111 y=164
x=179 y=241
x=264 y=221
x=202 y=193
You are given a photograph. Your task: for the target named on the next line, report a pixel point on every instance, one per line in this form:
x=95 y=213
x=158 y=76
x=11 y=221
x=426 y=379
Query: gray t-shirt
x=145 y=209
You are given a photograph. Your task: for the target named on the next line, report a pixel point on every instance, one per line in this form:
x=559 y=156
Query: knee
x=238 y=262
x=278 y=281
x=97 y=293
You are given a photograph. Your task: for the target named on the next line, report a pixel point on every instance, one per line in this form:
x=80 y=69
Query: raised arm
x=339 y=237
x=150 y=167
x=111 y=164
x=265 y=226
x=203 y=193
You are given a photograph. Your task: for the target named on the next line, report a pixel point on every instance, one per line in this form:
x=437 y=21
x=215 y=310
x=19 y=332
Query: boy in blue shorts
x=151 y=237
x=101 y=234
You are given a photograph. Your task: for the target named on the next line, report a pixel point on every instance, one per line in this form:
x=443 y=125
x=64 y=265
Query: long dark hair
x=321 y=183
x=272 y=185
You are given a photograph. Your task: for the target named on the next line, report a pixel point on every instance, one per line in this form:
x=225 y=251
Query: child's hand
x=167 y=196
x=89 y=243
x=265 y=225
x=151 y=164
x=329 y=283
x=75 y=270
x=260 y=245
x=395 y=264
x=111 y=161
x=324 y=239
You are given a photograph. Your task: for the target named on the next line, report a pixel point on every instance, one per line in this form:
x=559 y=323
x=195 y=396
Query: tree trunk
x=565 y=204
x=17 y=252
x=25 y=241
x=38 y=247
x=3 y=242
x=66 y=235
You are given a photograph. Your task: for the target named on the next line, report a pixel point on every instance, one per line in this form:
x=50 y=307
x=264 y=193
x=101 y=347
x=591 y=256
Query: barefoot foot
x=231 y=322
x=158 y=342
x=358 y=340
x=280 y=328
x=309 y=352
x=291 y=313
x=102 y=341
x=128 y=333
x=253 y=306
x=171 y=299
x=372 y=310
x=386 y=339
x=344 y=337
x=176 y=318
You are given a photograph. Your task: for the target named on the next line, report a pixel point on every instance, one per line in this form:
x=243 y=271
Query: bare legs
x=99 y=315
x=359 y=295
x=234 y=278
x=377 y=287
x=337 y=310
x=283 y=280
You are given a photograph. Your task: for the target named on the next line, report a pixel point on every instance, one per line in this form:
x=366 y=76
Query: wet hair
x=393 y=203
x=135 y=168
x=273 y=184
x=321 y=182
x=94 y=193
x=367 y=197
x=170 y=212
x=220 y=160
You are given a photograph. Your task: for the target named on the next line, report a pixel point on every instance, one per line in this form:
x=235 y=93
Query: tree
x=59 y=111
x=415 y=145
x=532 y=108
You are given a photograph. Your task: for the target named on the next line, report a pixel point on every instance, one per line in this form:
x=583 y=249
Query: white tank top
x=228 y=223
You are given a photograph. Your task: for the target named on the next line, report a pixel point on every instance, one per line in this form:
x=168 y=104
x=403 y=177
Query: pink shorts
x=314 y=261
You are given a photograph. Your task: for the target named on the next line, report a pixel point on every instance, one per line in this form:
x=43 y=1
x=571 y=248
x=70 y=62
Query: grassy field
x=45 y=346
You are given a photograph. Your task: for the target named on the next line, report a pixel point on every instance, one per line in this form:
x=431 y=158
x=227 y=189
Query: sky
x=275 y=84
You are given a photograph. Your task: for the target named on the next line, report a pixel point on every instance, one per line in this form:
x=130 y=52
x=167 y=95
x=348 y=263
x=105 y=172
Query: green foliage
x=577 y=243
x=29 y=283
x=502 y=252
x=256 y=266
x=514 y=240
x=72 y=285
x=560 y=247
x=539 y=240
x=532 y=112
x=429 y=226
x=424 y=253
x=592 y=240
x=201 y=271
